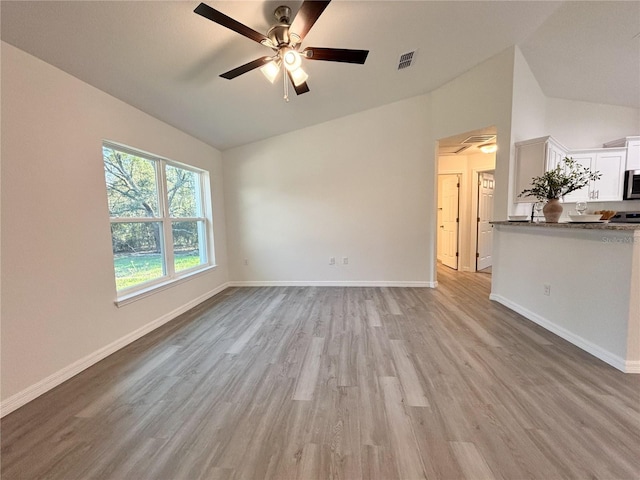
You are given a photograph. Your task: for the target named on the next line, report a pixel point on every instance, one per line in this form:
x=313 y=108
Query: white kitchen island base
x=581 y=282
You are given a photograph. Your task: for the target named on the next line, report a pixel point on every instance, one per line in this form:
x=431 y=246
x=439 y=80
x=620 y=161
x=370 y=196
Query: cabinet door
x=633 y=155
x=555 y=155
x=611 y=166
x=588 y=160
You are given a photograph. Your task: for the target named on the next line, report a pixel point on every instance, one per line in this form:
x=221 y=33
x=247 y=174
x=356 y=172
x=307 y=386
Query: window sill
x=128 y=298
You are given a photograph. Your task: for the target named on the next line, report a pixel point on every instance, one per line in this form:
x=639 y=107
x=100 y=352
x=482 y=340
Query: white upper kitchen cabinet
x=610 y=162
x=633 y=153
x=539 y=155
x=555 y=153
x=533 y=158
x=632 y=144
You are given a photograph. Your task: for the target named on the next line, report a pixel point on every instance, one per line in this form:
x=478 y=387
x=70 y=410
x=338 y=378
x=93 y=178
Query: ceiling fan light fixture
x=294 y=39
x=489 y=148
x=299 y=76
x=291 y=59
x=271 y=70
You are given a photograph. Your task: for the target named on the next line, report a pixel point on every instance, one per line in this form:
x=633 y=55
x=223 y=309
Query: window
x=160 y=223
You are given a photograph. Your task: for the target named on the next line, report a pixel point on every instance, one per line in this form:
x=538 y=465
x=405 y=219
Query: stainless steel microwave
x=632 y=185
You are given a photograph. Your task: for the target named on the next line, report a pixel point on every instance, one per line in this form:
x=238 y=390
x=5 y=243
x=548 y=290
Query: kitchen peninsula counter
x=579 y=280
x=583 y=226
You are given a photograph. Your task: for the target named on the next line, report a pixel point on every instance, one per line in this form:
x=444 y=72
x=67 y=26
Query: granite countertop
x=584 y=226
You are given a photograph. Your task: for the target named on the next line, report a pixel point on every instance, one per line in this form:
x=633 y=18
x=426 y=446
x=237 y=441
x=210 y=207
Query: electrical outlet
x=547 y=289
x=332 y=260
x=345 y=260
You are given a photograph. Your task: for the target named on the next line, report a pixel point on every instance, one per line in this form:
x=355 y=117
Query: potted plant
x=568 y=176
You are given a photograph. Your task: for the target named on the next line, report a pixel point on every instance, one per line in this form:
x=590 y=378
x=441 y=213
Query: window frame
x=203 y=207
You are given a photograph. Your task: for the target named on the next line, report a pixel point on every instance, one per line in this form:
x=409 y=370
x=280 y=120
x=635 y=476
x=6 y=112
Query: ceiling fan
x=285 y=39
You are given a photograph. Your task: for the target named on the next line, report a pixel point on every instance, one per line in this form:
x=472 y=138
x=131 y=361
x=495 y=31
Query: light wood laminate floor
x=340 y=383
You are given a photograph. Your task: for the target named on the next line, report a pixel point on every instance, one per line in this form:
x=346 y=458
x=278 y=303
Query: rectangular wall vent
x=406 y=60
x=479 y=139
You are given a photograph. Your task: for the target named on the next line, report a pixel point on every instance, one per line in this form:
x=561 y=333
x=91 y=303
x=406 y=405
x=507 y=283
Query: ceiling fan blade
x=336 y=54
x=247 y=67
x=309 y=12
x=300 y=89
x=221 y=19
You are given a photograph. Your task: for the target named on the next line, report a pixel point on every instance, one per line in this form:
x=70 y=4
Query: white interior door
x=486 y=189
x=448 y=227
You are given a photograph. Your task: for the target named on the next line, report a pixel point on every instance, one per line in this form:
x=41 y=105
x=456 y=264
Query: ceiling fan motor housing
x=283 y=14
x=279 y=33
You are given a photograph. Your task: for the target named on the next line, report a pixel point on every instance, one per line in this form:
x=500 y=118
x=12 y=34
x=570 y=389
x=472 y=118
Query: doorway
x=465 y=200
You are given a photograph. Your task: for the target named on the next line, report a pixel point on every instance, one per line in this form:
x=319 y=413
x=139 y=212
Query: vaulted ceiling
x=164 y=59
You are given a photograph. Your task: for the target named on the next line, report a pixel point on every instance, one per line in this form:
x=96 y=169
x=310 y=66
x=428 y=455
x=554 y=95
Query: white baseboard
x=589 y=347
x=332 y=283
x=632 y=366
x=30 y=393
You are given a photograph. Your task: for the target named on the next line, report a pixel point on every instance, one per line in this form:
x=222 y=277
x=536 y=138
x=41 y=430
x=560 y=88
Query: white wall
x=594 y=301
x=529 y=102
x=356 y=187
x=579 y=125
x=528 y=118
x=363 y=186
x=57 y=272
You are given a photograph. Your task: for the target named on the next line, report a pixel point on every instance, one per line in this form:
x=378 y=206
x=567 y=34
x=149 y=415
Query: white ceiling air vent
x=407 y=59
x=452 y=149
x=479 y=139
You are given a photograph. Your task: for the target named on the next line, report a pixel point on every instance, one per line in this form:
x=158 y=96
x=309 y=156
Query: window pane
x=132 y=187
x=137 y=253
x=183 y=192
x=188 y=245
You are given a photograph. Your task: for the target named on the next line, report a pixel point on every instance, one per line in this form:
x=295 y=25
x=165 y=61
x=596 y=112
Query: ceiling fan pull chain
x=286 y=86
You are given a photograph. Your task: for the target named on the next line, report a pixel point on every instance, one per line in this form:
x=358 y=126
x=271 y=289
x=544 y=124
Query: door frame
x=475 y=204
